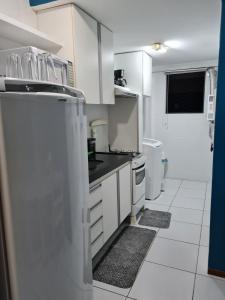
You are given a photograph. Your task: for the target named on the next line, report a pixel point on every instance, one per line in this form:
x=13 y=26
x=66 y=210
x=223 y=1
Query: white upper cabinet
x=147 y=74
x=86 y=55
x=138 y=70
x=107 y=65
x=88 y=45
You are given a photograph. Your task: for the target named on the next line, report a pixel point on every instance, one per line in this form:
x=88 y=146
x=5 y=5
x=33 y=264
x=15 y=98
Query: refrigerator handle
x=86 y=225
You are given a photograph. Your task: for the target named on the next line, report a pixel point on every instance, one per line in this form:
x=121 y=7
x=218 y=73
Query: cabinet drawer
x=95 y=195
x=97 y=245
x=96 y=229
x=96 y=212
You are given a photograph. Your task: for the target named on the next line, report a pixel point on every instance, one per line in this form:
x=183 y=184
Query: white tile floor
x=175 y=267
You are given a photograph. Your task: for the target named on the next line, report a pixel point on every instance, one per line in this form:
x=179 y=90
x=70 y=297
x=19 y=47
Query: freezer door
x=44 y=174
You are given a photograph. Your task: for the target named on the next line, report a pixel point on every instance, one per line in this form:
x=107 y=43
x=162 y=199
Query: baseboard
x=216 y=273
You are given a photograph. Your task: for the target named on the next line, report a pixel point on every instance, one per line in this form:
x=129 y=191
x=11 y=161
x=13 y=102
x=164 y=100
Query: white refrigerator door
x=44 y=173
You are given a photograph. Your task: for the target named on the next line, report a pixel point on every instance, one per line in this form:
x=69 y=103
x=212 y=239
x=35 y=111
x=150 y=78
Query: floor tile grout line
x=175 y=221
x=156 y=236
x=196 y=270
x=198 y=245
x=113 y=292
x=179 y=241
x=174 y=198
x=151 y=244
x=212 y=277
x=187 y=208
x=176 y=193
x=170 y=267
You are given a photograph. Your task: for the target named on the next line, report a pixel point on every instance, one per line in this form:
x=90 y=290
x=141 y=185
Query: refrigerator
x=44 y=216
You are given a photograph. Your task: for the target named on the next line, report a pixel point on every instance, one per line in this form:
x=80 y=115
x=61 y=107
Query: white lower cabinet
x=96 y=229
x=110 y=206
x=97 y=245
x=125 y=192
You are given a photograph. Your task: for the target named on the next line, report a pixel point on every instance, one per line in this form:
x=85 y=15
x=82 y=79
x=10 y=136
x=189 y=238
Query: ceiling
x=195 y=24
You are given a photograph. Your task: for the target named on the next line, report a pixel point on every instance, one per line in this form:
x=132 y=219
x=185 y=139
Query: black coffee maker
x=119 y=78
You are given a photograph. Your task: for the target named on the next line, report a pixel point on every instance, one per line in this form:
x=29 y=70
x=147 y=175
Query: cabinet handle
x=95 y=187
x=97 y=238
x=97 y=204
x=96 y=222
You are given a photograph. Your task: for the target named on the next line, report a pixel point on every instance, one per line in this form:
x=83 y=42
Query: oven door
x=138 y=183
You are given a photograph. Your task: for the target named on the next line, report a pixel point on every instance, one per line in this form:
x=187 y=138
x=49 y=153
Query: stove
x=138 y=180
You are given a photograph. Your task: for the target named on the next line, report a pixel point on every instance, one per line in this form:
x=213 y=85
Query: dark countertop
x=102 y=163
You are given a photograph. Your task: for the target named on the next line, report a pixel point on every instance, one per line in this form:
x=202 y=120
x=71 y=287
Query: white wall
x=185 y=136
x=20 y=10
x=94 y=112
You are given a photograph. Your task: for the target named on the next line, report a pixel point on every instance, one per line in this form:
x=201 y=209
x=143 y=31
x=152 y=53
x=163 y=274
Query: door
x=107 y=66
x=86 y=46
x=125 y=192
x=110 y=207
x=46 y=196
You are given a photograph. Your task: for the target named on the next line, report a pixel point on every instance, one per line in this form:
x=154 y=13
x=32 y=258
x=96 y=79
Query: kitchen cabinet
x=96 y=219
x=137 y=67
x=124 y=192
x=110 y=206
x=107 y=65
x=88 y=45
x=85 y=37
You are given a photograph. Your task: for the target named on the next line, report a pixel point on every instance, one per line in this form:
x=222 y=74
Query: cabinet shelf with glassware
x=88 y=44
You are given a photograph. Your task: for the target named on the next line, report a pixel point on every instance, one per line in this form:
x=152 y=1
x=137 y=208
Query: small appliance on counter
x=119 y=78
x=91 y=145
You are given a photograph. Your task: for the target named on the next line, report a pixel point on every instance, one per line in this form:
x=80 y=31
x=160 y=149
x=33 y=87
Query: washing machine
x=153 y=151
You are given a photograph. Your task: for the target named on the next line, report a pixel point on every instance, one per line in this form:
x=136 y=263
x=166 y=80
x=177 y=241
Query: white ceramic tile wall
x=176 y=264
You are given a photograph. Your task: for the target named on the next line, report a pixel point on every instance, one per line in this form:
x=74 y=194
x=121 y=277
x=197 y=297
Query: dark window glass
x=185 y=93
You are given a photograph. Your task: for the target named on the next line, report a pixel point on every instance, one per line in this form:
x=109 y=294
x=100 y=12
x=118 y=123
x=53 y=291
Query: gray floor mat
x=120 y=265
x=155 y=218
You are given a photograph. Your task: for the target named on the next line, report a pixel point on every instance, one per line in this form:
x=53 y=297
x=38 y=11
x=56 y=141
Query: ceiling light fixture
x=159 y=48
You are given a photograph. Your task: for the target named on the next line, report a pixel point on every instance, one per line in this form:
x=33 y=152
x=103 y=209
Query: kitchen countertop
x=102 y=163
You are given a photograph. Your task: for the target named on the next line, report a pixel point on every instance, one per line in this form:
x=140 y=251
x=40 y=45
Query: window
x=185 y=93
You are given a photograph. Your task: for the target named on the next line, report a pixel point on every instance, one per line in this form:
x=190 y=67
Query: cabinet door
x=147 y=74
x=107 y=66
x=58 y=23
x=132 y=65
x=110 y=208
x=125 y=192
x=86 y=55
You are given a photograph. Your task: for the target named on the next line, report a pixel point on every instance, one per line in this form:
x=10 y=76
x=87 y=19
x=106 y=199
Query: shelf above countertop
x=14 y=33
